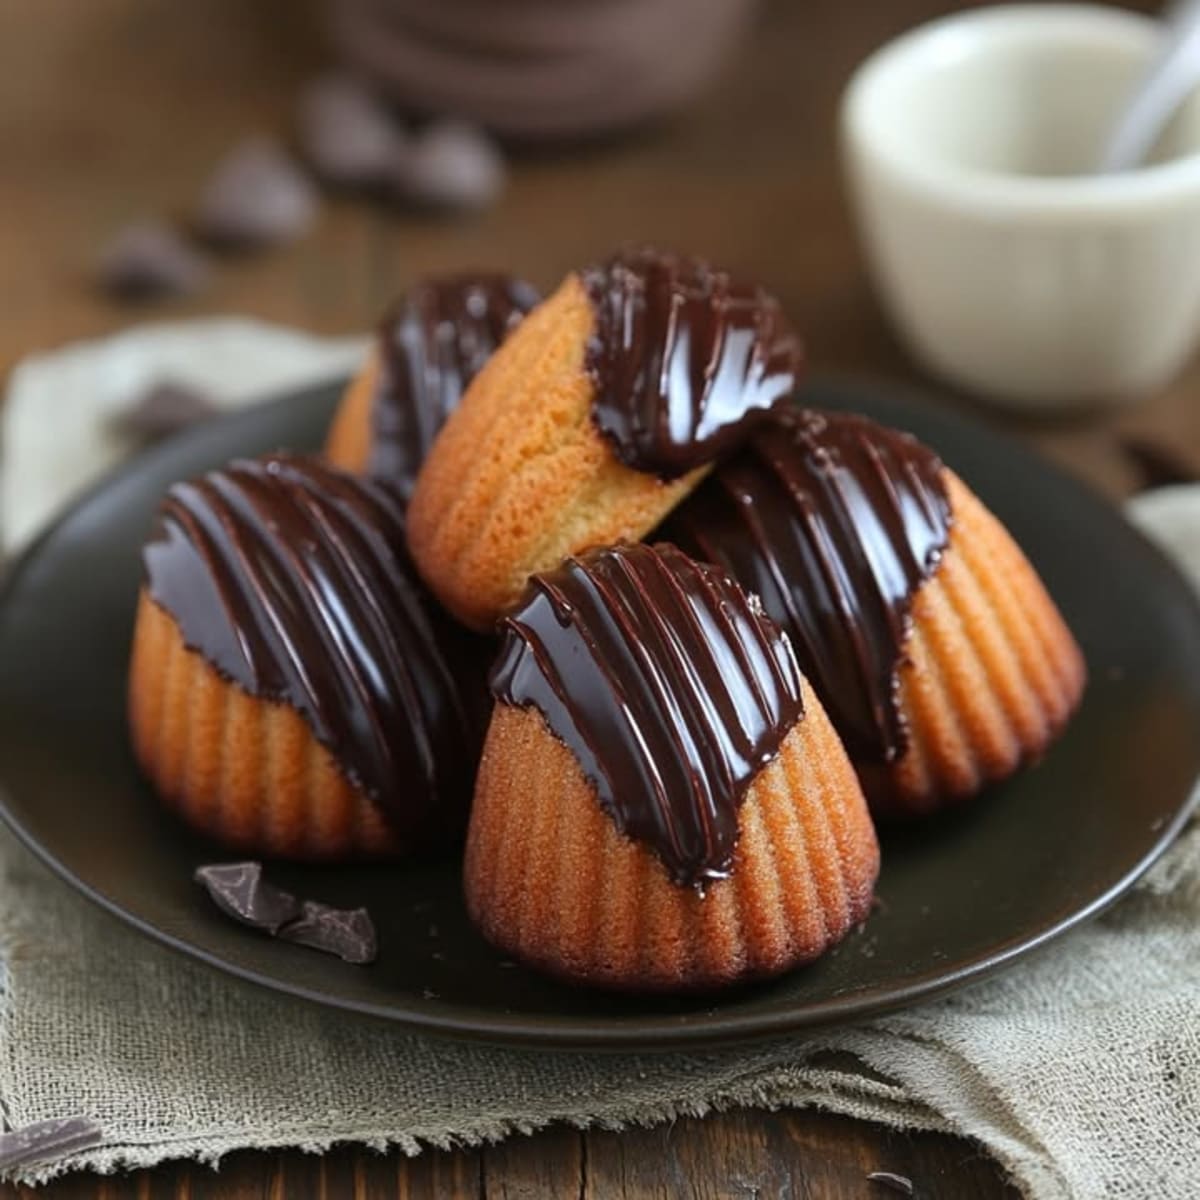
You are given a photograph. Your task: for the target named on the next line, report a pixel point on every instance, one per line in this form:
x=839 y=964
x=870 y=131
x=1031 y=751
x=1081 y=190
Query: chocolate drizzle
x=292 y=580
x=685 y=359
x=434 y=342
x=669 y=685
x=834 y=521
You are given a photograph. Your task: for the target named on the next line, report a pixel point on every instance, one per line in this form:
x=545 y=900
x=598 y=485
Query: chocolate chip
x=1157 y=464
x=348 y=933
x=147 y=260
x=256 y=197
x=162 y=410
x=45 y=1141
x=239 y=890
x=452 y=165
x=348 y=136
x=897 y=1183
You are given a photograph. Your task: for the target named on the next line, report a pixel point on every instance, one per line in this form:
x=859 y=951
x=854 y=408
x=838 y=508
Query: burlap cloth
x=1079 y=1068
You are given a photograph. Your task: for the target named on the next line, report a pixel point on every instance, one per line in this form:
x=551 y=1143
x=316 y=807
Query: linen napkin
x=60 y=428
x=1079 y=1068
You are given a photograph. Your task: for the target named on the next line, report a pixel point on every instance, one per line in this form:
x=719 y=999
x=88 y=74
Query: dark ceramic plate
x=959 y=897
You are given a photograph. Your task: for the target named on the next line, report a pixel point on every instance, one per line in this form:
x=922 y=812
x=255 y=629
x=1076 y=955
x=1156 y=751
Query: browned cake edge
x=991 y=673
x=348 y=442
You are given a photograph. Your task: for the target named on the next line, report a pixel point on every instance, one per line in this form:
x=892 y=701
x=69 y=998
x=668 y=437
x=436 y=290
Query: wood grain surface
x=114 y=109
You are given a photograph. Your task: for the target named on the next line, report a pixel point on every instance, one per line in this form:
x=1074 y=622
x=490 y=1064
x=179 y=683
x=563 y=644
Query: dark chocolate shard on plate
x=47 y=1141
x=240 y=891
x=256 y=197
x=164 y=409
x=149 y=260
x=348 y=933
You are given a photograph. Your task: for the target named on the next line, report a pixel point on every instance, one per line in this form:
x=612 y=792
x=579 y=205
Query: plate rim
x=707 y=1026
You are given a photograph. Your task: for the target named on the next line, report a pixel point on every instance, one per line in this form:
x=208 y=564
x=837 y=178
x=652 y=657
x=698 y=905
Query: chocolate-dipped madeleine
x=294 y=691
x=430 y=346
x=661 y=804
x=938 y=654
x=600 y=412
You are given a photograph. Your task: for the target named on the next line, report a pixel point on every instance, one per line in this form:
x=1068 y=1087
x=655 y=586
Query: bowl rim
x=1131 y=194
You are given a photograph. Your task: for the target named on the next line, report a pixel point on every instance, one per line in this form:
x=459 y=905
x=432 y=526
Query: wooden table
x=114 y=108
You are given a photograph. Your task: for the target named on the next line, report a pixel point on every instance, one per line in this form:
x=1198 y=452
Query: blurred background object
x=118 y=111
x=1010 y=265
x=1167 y=83
x=148 y=260
x=256 y=197
x=535 y=69
x=121 y=111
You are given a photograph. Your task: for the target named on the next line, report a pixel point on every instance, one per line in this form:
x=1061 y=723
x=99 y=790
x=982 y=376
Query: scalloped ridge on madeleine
x=990 y=673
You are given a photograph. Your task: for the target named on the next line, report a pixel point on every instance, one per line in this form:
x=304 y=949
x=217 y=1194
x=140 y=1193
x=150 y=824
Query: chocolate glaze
x=834 y=521
x=292 y=580
x=685 y=359
x=434 y=342
x=669 y=685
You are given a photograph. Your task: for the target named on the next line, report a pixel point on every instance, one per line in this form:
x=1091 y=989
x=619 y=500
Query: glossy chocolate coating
x=668 y=684
x=291 y=579
x=685 y=359
x=834 y=522
x=434 y=342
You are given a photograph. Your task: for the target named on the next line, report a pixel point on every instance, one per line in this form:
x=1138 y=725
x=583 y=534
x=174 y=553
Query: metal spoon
x=1171 y=78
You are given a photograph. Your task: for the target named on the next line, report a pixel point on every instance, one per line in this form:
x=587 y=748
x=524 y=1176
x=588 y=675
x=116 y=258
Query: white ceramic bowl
x=1006 y=268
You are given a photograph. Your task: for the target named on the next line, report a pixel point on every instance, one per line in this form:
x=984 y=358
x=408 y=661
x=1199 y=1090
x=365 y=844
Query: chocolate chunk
x=348 y=933
x=452 y=165
x=256 y=197
x=147 y=260
x=239 y=890
x=898 y=1183
x=1157 y=465
x=162 y=410
x=348 y=136
x=46 y=1141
